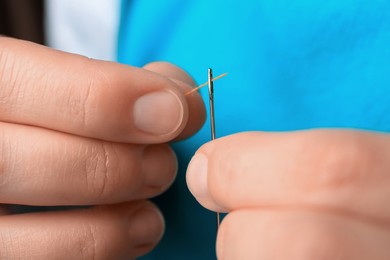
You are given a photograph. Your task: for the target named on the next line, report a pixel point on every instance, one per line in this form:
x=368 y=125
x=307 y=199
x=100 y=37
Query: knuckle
x=101 y=166
x=6 y=153
x=9 y=80
x=77 y=104
x=96 y=84
x=337 y=161
x=77 y=99
x=88 y=243
x=82 y=101
x=7 y=248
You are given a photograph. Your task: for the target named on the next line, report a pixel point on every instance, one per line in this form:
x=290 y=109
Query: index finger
x=341 y=170
x=104 y=100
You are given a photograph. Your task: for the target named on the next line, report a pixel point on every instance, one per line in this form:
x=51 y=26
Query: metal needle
x=212 y=118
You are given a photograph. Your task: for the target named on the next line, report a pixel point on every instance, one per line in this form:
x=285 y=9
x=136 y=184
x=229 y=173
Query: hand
x=77 y=131
x=319 y=194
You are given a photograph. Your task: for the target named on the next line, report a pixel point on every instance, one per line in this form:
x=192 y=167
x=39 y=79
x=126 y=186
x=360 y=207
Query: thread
x=205 y=84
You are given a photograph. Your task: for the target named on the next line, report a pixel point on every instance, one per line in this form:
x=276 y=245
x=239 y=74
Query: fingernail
x=146 y=227
x=197 y=176
x=159 y=166
x=159 y=112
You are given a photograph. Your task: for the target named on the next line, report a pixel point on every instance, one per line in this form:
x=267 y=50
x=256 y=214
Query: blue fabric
x=292 y=65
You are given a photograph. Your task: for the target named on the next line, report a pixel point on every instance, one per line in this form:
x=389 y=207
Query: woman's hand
x=319 y=194
x=77 y=131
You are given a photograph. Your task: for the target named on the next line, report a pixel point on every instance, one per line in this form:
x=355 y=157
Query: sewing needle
x=204 y=84
x=212 y=118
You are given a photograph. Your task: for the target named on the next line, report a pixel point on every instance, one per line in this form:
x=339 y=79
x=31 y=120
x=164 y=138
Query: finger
x=339 y=169
x=43 y=167
x=104 y=100
x=107 y=232
x=196 y=108
x=297 y=235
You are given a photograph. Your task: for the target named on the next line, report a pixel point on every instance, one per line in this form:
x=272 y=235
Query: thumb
x=196 y=108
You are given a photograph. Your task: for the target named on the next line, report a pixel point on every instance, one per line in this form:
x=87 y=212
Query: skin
x=315 y=194
x=77 y=131
x=69 y=136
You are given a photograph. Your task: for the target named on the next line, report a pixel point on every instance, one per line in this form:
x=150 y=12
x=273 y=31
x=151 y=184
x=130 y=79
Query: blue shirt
x=292 y=65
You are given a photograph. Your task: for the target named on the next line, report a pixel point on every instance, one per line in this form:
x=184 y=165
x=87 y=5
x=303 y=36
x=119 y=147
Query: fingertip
x=197 y=172
x=145 y=224
x=197 y=181
x=160 y=113
x=146 y=228
x=159 y=167
x=196 y=109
